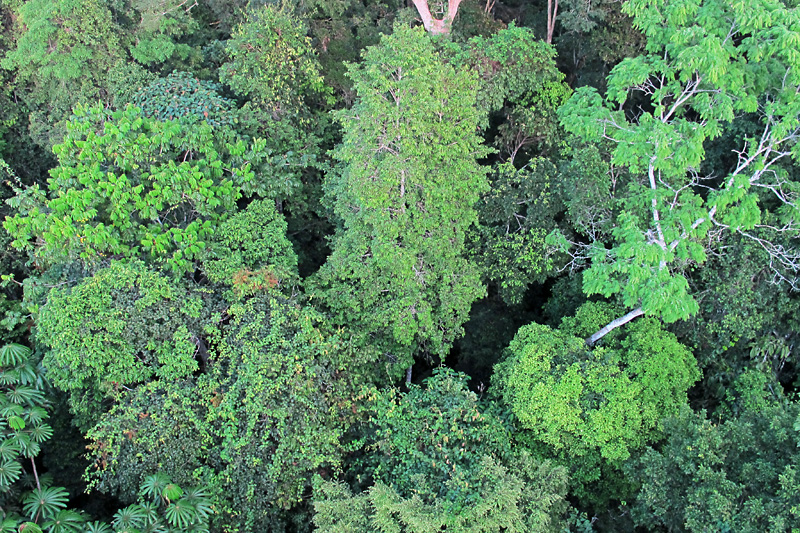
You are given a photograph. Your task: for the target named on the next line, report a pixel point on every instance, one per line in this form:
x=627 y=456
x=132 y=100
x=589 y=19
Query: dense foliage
x=370 y=265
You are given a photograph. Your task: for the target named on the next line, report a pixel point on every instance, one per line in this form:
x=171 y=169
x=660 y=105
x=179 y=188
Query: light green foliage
x=253 y=240
x=516 y=215
x=23 y=429
x=128 y=186
x=405 y=190
x=706 y=63
x=439 y=460
x=164 y=506
x=123 y=326
x=180 y=96
x=736 y=475
x=592 y=406
x=506 y=504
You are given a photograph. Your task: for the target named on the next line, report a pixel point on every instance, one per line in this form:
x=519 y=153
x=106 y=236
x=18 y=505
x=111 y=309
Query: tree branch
x=614 y=324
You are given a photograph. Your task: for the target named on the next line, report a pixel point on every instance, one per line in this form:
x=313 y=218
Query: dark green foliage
x=156 y=427
x=738 y=474
x=279 y=398
x=272 y=62
x=474 y=20
x=520 y=89
x=152 y=264
x=273 y=67
x=341 y=29
x=491 y=326
x=745 y=320
x=122 y=327
x=125 y=79
x=271 y=409
x=518 y=83
x=588 y=185
x=593 y=37
x=515 y=217
x=513 y=66
x=593 y=407
x=430 y=441
x=440 y=460
x=23 y=416
x=180 y=96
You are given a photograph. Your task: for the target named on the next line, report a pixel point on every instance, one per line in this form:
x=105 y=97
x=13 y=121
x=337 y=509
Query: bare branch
x=614 y=324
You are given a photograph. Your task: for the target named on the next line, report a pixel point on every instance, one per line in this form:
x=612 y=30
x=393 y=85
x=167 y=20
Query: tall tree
x=271 y=410
x=124 y=326
x=405 y=189
x=706 y=63
x=63 y=53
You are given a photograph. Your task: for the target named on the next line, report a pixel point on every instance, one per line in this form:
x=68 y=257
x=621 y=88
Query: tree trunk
x=552 y=11
x=437 y=26
x=614 y=324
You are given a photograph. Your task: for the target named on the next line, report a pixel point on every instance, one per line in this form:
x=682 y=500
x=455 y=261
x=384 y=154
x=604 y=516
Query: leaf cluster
x=593 y=406
x=129 y=186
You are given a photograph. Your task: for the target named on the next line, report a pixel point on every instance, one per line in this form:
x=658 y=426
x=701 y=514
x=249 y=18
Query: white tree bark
x=614 y=324
x=433 y=25
x=552 y=11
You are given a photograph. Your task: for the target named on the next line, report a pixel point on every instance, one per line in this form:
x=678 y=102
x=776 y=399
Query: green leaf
x=14 y=354
x=155 y=485
x=45 y=502
x=16 y=423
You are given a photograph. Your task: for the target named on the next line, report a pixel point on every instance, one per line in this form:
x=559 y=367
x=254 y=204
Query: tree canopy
x=375 y=265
